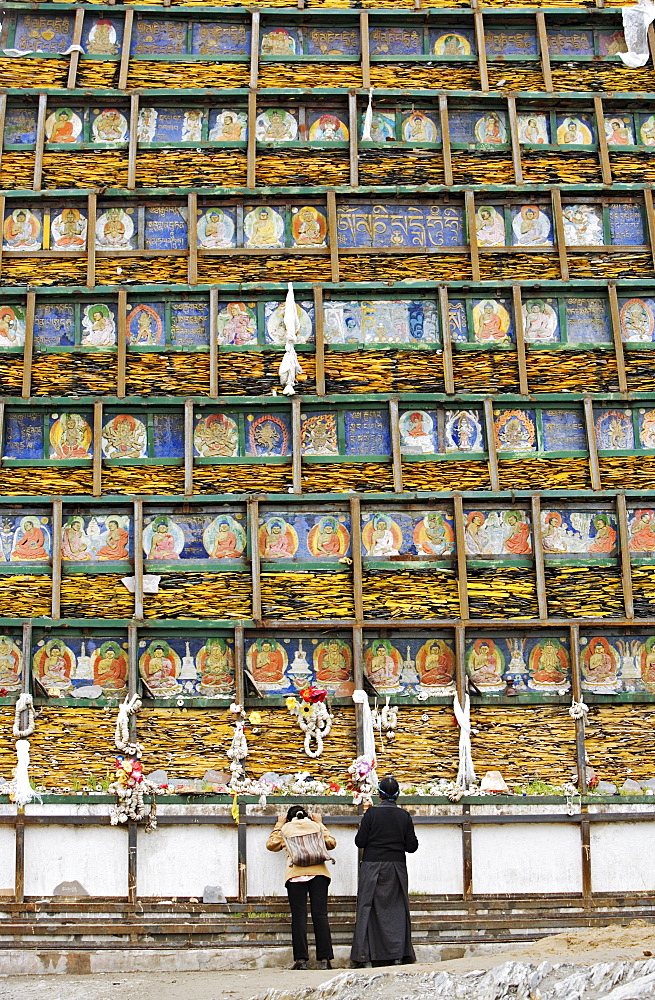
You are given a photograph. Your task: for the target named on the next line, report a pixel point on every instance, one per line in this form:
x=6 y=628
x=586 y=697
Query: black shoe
x=325 y=963
x=301 y=964
x=397 y=961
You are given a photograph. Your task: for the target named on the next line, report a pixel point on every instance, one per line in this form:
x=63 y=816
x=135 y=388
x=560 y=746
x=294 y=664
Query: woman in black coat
x=383 y=933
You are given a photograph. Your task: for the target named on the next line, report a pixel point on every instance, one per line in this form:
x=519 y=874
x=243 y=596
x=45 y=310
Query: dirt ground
x=583 y=947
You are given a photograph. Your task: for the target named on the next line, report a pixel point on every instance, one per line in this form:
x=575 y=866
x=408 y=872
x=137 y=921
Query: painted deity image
x=70 y=436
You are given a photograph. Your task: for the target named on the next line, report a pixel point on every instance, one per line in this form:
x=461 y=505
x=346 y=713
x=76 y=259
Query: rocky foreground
x=625 y=980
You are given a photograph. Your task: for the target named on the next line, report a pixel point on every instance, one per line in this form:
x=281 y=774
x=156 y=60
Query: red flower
x=313 y=694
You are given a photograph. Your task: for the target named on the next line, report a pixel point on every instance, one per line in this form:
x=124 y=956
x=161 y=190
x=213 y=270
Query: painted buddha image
x=159 y=667
x=215 y=230
x=163 y=539
x=68 y=230
x=417 y=433
x=574 y=132
x=98 y=326
x=74 y=541
x=531 y=227
x=11 y=661
x=490 y=322
x=266 y=659
x=435 y=661
x=548 y=664
x=383 y=663
x=382 y=537
x=264 y=227
x=533 y=129
x=309 y=227
x=224 y=538
x=328 y=539
x=216 y=668
x=417 y=127
x=102 y=39
x=489 y=227
x=485 y=664
x=63 y=126
x=277 y=539
x=600 y=664
x=333 y=666
x=490 y=129
x=30 y=542
x=276 y=125
x=110 y=667
x=539 y=322
x=230 y=126
x=22 y=231
x=53 y=665
x=114 y=230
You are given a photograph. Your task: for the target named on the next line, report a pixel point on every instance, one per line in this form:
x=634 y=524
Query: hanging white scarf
x=466 y=772
x=368 y=119
x=636 y=21
x=290 y=366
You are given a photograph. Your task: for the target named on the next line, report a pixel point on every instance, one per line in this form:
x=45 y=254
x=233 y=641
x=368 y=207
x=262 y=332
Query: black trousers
x=317 y=890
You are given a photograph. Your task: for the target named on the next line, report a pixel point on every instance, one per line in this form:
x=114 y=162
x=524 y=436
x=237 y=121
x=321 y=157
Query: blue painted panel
x=412 y=535
x=457 y=321
x=26 y=538
x=81 y=665
x=610 y=43
x=541 y=321
x=400 y=225
x=195 y=536
x=102 y=36
x=211 y=39
x=190 y=323
x=145 y=323
x=571 y=42
x=268 y=434
x=587 y=321
x=286 y=667
x=325 y=42
x=287 y=535
x=575 y=130
x=367 y=432
x=20 y=125
x=166 y=228
x=534 y=664
x=43 y=33
x=563 y=430
x=452 y=42
x=396 y=41
x=97 y=538
x=151 y=36
x=522 y=42
x=162 y=124
x=626 y=224
x=24 y=435
x=380 y=321
x=168 y=435
x=614 y=429
x=177 y=666
x=54 y=325
x=423 y=666
x=281 y=42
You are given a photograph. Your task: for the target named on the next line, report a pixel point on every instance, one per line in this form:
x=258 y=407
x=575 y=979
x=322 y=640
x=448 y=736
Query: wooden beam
x=121 y=342
x=514 y=137
x=617 y=336
x=97 y=448
x=366 y=50
x=56 y=557
x=19 y=857
x=460 y=552
x=650 y=219
x=39 y=144
x=296 y=457
x=469 y=201
x=2 y=217
x=358 y=678
x=28 y=347
x=132 y=862
x=482 y=48
x=576 y=686
x=213 y=343
x=594 y=467
x=239 y=665
x=445 y=141
x=651 y=43
x=188 y=447
x=544 y=52
x=540 y=575
x=396 y=456
x=133 y=142
x=491 y=443
x=26 y=667
x=559 y=233
x=332 y=234
x=91 y=209
x=520 y=340
x=254 y=50
x=460 y=662
x=251 y=147
x=125 y=48
x=624 y=549
x=446 y=342
x=138 y=559
x=3 y=115
x=356 y=542
x=353 y=138
x=603 y=149
x=255 y=562
x=319 y=333
x=192 y=238
x=75 y=55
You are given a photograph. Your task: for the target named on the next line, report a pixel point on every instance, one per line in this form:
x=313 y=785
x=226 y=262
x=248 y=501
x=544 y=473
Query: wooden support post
x=624 y=549
x=242 y=852
x=576 y=688
x=538 y=549
x=482 y=48
x=296 y=457
x=467 y=855
x=19 y=876
x=332 y=234
x=617 y=336
x=121 y=342
x=188 y=447
x=651 y=43
x=469 y=201
x=514 y=137
x=97 y=448
x=544 y=53
x=460 y=662
x=650 y=219
x=320 y=340
x=445 y=141
x=92 y=202
x=255 y=563
x=251 y=147
x=239 y=665
x=366 y=49
x=520 y=341
x=56 y=558
x=603 y=149
x=356 y=540
x=26 y=667
x=254 y=51
x=133 y=142
x=446 y=341
x=594 y=467
x=491 y=443
x=585 y=845
x=192 y=237
x=3 y=115
x=460 y=551
x=39 y=144
x=2 y=217
x=358 y=678
x=396 y=456
x=125 y=49
x=213 y=343
x=132 y=670
x=131 y=861
x=353 y=138
x=138 y=559
x=28 y=347
x=560 y=239
x=75 y=55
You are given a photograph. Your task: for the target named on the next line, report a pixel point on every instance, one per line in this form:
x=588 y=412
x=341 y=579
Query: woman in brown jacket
x=303 y=881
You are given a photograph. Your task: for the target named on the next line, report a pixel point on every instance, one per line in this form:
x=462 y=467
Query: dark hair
x=296 y=812
x=389 y=788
